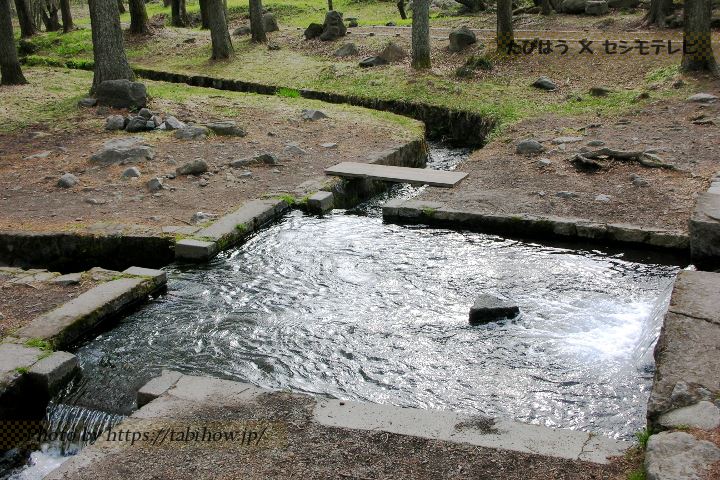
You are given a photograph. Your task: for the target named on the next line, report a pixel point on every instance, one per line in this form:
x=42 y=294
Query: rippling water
x=350 y=307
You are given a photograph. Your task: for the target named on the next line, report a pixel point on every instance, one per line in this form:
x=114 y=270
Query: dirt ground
x=315 y=451
x=32 y=201
x=20 y=303
x=502 y=181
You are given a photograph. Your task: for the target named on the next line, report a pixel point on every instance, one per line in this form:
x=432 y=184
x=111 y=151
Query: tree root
x=588 y=160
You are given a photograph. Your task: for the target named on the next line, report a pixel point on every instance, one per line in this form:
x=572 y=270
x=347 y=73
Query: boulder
x=529 y=147
x=131 y=172
x=461 y=38
x=333 y=27
x=372 y=62
x=596 y=7
x=294 y=149
x=704 y=415
x=347 y=50
x=269 y=22
x=172 y=123
x=702 y=98
x=87 y=102
x=122 y=94
x=314 y=30
x=68 y=180
x=154 y=184
x=544 y=83
x=240 y=31
x=124 y=150
x=313 y=115
x=678 y=455
x=196 y=167
x=137 y=124
x=392 y=53
x=263 y=158
x=191 y=132
x=145 y=113
x=115 y=122
x=489 y=308
x=227 y=128
x=573 y=6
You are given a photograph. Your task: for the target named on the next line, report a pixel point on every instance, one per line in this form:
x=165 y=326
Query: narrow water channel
x=347 y=306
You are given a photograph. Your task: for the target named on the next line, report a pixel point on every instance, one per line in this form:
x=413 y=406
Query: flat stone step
x=413 y=176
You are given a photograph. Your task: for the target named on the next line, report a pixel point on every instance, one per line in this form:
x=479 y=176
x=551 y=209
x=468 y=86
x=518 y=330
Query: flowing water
x=347 y=306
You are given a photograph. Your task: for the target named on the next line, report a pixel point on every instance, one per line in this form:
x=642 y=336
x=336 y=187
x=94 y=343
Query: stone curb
x=66 y=324
x=418 y=211
x=705 y=228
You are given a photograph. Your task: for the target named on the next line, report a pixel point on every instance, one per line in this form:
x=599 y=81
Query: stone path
x=413 y=176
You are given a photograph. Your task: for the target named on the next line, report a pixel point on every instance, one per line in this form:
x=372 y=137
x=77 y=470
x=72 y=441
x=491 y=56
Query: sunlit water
x=347 y=306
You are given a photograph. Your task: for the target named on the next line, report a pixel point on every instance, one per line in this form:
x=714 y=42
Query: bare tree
x=10 y=71
x=401 y=9
x=505 y=35
x=257 y=29
x=203 y=14
x=658 y=12
x=108 y=49
x=66 y=14
x=179 y=16
x=25 y=18
x=698 y=53
x=221 y=44
x=421 y=34
x=49 y=15
x=138 y=17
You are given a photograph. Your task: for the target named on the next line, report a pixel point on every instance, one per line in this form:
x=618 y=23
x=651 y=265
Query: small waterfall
x=74 y=426
x=643 y=352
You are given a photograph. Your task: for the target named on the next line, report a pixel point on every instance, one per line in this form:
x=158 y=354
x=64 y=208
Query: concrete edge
x=704 y=227
x=523 y=225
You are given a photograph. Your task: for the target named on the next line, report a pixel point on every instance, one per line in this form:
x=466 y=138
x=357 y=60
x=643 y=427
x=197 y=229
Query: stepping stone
x=413 y=176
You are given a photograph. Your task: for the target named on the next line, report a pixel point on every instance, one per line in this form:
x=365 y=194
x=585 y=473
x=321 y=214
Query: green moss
x=43 y=345
x=637 y=474
x=242 y=228
x=642 y=437
x=22 y=370
x=288 y=92
x=429 y=211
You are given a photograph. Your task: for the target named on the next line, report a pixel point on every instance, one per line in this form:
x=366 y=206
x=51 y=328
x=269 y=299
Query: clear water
x=350 y=307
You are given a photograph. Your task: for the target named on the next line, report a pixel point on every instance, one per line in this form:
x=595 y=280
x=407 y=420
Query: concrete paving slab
x=320 y=202
x=51 y=373
x=158 y=276
x=414 y=176
x=191 y=249
x=697 y=294
x=705 y=231
x=14 y=356
x=244 y=220
x=157 y=386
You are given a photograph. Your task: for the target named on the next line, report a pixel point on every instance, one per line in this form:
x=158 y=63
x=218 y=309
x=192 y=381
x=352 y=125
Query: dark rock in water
x=489 y=308
x=314 y=30
x=122 y=94
x=461 y=38
x=269 y=23
x=373 y=62
x=333 y=28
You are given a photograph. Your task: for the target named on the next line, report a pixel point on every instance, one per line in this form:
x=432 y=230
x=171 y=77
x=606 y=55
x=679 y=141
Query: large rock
x=122 y=94
x=269 y=22
x=138 y=124
x=529 y=147
x=314 y=30
x=372 y=62
x=461 y=38
x=347 y=50
x=196 y=167
x=333 y=28
x=241 y=31
x=573 y=6
x=227 y=128
x=702 y=98
x=704 y=415
x=489 y=308
x=115 y=122
x=597 y=7
x=68 y=180
x=544 y=83
x=172 y=123
x=191 y=133
x=124 y=150
x=678 y=456
x=393 y=53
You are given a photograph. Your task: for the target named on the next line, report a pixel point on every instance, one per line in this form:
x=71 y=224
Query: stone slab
x=697 y=294
x=678 y=456
x=387 y=173
x=704 y=415
x=244 y=220
x=67 y=323
x=705 y=231
x=320 y=202
x=156 y=387
x=51 y=373
x=157 y=276
x=14 y=356
x=191 y=249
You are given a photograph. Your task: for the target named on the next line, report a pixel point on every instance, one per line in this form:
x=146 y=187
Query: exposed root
x=588 y=160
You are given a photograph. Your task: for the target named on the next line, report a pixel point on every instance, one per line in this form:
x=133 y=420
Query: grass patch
x=288 y=92
x=642 y=437
x=39 y=343
x=22 y=370
x=637 y=474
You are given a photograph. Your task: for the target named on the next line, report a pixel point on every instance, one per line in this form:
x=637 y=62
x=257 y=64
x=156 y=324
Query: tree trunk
x=138 y=17
x=166 y=3
x=179 y=14
x=50 y=16
x=221 y=44
x=421 y=34
x=203 y=14
x=505 y=36
x=330 y=6
x=10 y=71
x=121 y=6
x=698 y=54
x=473 y=5
x=67 y=19
x=108 y=49
x=545 y=7
x=257 y=30
x=25 y=18
x=658 y=12
x=401 y=9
